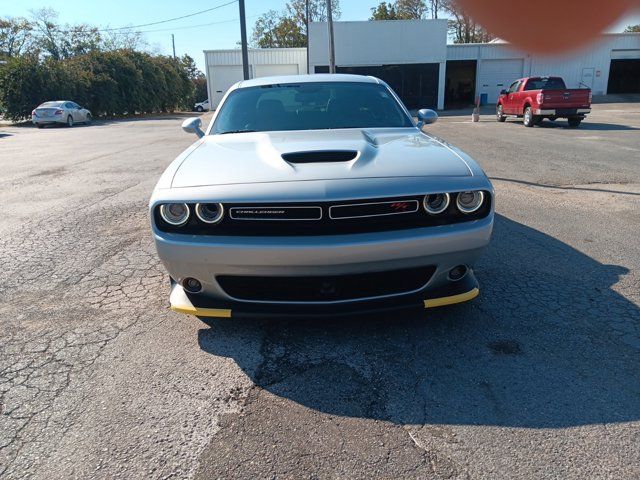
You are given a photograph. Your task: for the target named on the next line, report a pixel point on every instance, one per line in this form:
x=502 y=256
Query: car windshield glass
x=310 y=106
x=546 y=83
x=51 y=104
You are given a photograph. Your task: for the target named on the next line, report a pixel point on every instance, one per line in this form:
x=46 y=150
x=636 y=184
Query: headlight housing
x=470 y=201
x=210 y=212
x=175 y=214
x=436 y=203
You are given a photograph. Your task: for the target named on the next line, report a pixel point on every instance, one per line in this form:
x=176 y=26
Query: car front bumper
x=201 y=306
x=206 y=257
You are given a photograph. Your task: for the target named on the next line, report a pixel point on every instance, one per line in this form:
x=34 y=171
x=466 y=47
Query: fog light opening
x=191 y=285
x=457 y=273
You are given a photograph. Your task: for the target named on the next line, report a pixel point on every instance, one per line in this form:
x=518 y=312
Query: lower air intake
x=325 y=288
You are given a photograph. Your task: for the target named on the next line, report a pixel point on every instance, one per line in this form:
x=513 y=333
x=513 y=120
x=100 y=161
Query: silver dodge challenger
x=319 y=195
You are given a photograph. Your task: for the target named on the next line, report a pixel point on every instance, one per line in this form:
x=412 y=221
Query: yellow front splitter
x=202 y=312
x=181 y=302
x=452 y=299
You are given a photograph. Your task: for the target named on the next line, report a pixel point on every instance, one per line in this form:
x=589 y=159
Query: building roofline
x=298 y=49
x=508 y=44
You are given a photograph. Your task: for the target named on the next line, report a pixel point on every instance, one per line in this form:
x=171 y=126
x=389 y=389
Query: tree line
x=287 y=28
x=105 y=71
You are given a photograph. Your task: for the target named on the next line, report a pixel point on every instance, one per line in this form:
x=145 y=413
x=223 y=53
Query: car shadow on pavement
x=548 y=344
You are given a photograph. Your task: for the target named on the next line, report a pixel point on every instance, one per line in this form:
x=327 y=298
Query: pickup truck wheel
x=574 y=122
x=529 y=118
x=499 y=116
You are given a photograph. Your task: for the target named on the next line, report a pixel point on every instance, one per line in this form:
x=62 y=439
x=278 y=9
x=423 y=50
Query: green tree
x=288 y=28
x=126 y=39
x=411 y=9
x=16 y=36
x=632 y=29
x=462 y=27
x=63 y=42
x=384 y=11
x=406 y=10
x=297 y=10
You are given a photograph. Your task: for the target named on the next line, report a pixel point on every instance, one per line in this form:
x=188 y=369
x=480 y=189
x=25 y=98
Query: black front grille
x=325 y=218
x=325 y=288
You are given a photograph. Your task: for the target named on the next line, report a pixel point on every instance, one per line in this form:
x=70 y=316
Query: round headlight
x=469 y=202
x=436 y=203
x=175 y=214
x=210 y=212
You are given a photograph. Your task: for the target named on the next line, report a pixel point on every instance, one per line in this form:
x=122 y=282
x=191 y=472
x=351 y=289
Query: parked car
x=537 y=98
x=60 y=111
x=202 y=106
x=317 y=195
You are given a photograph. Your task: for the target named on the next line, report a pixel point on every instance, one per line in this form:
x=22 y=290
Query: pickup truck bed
x=523 y=99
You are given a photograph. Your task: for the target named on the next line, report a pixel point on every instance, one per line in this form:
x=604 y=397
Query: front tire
x=39 y=125
x=574 y=122
x=529 y=118
x=69 y=121
x=199 y=109
x=88 y=120
x=499 y=115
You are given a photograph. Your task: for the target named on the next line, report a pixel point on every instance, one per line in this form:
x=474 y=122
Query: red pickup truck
x=536 y=98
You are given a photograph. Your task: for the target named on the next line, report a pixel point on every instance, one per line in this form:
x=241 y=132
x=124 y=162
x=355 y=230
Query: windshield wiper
x=236 y=131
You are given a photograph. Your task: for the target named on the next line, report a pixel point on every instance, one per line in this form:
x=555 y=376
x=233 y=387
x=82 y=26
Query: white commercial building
x=224 y=67
x=413 y=57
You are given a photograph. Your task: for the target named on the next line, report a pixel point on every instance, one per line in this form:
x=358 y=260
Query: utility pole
x=173 y=42
x=332 y=53
x=243 y=41
x=307 y=25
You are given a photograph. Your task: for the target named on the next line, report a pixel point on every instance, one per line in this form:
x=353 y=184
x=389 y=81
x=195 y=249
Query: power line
x=170 y=19
x=130 y=28
x=186 y=27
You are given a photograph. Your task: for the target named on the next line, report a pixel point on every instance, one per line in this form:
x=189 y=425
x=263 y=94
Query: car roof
x=316 y=77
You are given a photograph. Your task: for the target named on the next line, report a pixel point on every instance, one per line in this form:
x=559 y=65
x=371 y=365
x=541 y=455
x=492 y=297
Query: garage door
x=221 y=78
x=494 y=75
x=624 y=76
x=272 y=70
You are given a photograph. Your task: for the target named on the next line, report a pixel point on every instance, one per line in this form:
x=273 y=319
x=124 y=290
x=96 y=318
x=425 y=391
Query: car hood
x=244 y=158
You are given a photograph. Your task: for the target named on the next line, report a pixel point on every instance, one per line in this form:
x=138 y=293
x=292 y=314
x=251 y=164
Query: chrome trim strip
x=417 y=205
x=262 y=207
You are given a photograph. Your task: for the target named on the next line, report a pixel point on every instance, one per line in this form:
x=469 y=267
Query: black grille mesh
x=325 y=288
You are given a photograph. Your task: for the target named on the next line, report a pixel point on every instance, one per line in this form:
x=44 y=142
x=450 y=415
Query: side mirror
x=503 y=92
x=426 y=116
x=193 y=125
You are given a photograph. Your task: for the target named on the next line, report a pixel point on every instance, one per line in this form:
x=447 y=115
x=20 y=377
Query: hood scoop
x=320 y=156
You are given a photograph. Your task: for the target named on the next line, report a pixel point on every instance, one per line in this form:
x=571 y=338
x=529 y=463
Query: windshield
x=310 y=106
x=545 y=83
x=51 y=104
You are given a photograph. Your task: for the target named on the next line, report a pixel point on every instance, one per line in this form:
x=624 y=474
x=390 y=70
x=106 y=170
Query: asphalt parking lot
x=539 y=377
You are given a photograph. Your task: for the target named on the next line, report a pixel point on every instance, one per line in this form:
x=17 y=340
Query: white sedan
x=60 y=111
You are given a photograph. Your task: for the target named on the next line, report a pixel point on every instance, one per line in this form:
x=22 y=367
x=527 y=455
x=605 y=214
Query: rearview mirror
x=426 y=116
x=503 y=92
x=193 y=125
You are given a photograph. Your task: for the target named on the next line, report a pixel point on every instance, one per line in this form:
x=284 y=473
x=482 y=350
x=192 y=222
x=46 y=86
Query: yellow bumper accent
x=202 y=312
x=461 y=297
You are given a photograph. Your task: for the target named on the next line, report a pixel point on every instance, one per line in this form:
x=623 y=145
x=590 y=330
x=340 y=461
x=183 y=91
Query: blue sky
x=117 y=13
